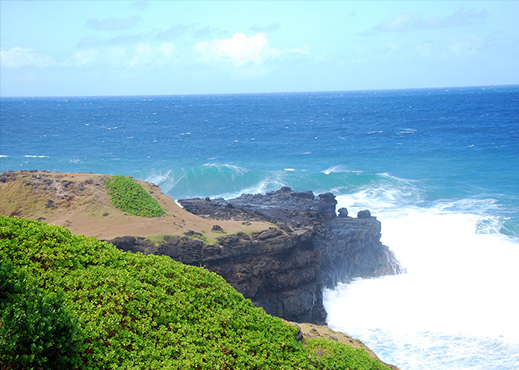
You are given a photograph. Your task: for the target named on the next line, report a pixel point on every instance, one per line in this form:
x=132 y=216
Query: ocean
x=438 y=167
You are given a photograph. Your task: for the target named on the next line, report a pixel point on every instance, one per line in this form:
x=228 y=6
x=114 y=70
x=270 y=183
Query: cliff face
x=285 y=268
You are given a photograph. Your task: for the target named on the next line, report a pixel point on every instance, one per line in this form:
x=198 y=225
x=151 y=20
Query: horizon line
x=260 y=93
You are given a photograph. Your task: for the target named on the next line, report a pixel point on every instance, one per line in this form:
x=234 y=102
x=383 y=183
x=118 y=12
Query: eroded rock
x=283 y=269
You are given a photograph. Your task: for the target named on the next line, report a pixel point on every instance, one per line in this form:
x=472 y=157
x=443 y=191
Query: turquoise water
x=438 y=167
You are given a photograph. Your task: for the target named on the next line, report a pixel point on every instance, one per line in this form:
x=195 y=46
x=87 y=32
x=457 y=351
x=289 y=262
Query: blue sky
x=78 y=48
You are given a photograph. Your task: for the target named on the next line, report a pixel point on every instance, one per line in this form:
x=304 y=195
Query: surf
x=454 y=305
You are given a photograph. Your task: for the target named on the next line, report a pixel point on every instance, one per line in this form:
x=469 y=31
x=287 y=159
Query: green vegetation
x=35 y=330
x=150 y=312
x=129 y=196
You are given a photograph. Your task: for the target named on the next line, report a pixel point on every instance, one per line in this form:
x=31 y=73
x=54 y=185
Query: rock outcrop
x=285 y=268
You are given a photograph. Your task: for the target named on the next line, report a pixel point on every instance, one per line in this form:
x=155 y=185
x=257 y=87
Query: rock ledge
x=285 y=268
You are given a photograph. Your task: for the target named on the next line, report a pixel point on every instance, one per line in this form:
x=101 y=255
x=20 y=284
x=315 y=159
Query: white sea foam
x=338 y=169
x=36 y=156
x=165 y=180
x=158 y=178
x=381 y=197
x=457 y=298
x=238 y=169
x=406 y=131
x=333 y=169
x=468 y=205
x=272 y=182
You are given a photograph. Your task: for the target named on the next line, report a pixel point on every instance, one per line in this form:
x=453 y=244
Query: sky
x=98 y=48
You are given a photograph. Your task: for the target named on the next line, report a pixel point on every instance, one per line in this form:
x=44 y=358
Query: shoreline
x=244 y=254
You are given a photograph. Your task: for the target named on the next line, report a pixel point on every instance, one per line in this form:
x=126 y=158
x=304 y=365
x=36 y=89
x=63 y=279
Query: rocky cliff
x=278 y=249
x=285 y=268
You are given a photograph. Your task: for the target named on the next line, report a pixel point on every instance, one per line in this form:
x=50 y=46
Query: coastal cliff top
x=80 y=202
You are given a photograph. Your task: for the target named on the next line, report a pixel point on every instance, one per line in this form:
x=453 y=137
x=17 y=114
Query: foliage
x=150 y=312
x=10 y=284
x=129 y=196
x=35 y=330
x=335 y=355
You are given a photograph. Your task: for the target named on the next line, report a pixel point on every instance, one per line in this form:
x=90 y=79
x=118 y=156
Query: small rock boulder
x=364 y=214
x=343 y=212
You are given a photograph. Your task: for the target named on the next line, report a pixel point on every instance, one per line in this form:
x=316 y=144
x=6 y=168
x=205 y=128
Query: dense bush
x=10 y=284
x=129 y=196
x=150 y=312
x=35 y=330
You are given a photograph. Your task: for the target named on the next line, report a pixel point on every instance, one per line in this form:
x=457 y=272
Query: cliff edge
x=279 y=249
x=285 y=269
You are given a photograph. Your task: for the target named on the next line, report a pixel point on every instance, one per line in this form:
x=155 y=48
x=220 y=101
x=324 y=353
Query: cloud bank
x=409 y=22
x=113 y=24
x=241 y=50
x=140 y=54
x=18 y=57
x=271 y=27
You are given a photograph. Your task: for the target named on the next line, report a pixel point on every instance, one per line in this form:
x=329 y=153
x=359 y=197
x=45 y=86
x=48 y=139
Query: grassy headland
x=81 y=202
x=150 y=312
x=135 y=311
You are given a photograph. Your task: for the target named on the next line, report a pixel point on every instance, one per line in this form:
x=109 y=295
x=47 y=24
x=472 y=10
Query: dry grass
x=84 y=207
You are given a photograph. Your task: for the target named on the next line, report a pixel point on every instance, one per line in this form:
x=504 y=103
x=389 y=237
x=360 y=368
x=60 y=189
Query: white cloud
x=18 y=57
x=241 y=50
x=140 y=5
x=90 y=42
x=145 y=54
x=426 y=50
x=167 y=48
x=408 y=22
x=466 y=46
x=259 y=28
x=82 y=58
x=118 y=56
x=142 y=49
x=113 y=24
x=175 y=31
x=401 y=22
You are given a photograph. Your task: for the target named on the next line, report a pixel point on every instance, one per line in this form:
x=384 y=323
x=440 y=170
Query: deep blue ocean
x=438 y=167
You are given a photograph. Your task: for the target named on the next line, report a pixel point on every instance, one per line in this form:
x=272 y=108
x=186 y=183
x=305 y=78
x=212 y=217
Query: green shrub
x=335 y=355
x=150 y=312
x=35 y=330
x=10 y=283
x=129 y=196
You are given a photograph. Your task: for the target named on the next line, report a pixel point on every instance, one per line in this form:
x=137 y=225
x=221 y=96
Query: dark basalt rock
x=283 y=269
x=343 y=212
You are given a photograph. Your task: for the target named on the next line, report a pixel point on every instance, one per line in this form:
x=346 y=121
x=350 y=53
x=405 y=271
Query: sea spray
x=456 y=303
